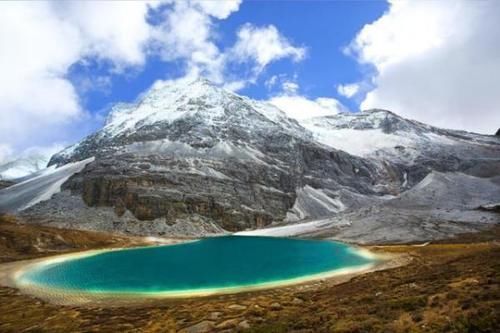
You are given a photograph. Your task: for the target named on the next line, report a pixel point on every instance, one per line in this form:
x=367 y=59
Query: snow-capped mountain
x=376 y=132
x=366 y=133
x=413 y=146
x=196 y=154
x=197 y=113
x=192 y=158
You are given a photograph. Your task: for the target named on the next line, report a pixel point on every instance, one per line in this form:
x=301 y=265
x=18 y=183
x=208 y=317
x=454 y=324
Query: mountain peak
x=203 y=80
x=167 y=101
x=375 y=110
x=185 y=86
x=194 y=112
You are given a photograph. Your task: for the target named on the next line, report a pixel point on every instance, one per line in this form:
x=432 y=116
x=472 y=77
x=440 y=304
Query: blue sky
x=64 y=64
x=325 y=28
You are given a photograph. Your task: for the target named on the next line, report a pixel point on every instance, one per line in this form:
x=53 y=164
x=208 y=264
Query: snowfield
x=291 y=230
x=38 y=188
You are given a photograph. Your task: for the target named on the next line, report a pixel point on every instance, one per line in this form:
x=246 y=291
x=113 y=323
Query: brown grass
x=448 y=287
x=24 y=241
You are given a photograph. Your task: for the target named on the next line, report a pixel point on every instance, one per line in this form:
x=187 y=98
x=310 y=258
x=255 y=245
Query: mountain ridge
x=193 y=158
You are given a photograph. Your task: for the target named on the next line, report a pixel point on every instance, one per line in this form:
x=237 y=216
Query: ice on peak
x=165 y=101
x=367 y=133
x=169 y=101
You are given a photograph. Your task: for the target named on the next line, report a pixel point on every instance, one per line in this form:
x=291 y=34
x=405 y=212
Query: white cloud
x=281 y=80
x=255 y=47
x=290 y=88
x=186 y=34
x=264 y=45
x=5 y=153
x=117 y=32
x=271 y=82
x=348 y=90
x=34 y=152
x=217 y=8
x=436 y=61
x=301 y=107
x=40 y=42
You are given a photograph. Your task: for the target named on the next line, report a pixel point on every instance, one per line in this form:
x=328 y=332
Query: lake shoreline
x=10 y=274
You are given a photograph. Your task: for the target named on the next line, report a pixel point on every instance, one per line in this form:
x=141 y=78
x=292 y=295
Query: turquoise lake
x=207 y=264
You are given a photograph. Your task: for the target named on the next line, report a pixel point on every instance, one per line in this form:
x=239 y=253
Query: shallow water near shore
x=209 y=264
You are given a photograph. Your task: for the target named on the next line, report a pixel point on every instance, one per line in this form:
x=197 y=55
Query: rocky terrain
x=194 y=159
x=442 y=204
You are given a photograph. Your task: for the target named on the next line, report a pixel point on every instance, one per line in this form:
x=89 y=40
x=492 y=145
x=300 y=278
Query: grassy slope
x=449 y=287
x=18 y=241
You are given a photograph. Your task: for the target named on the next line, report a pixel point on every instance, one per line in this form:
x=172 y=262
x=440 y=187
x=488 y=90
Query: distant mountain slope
x=416 y=147
x=442 y=204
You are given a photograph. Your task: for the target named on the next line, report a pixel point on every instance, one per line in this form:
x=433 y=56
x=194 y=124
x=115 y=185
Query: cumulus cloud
x=348 y=90
x=301 y=107
x=436 y=61
x=40 y=42
x=255 y=46
x=263 y=45
x=5 y=153
x=235 y=66
x=107 y=30
x=290 y=88
x=217 y=8
x=186 y=34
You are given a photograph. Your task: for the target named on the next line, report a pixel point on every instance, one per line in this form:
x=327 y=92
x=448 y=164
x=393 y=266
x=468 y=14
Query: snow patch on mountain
x=39 y=188
x=295 y=229
x=168 y=102
x=221 y=150
x=369 y=133
x=193 y=114
x=359 y=142
x=311 y=202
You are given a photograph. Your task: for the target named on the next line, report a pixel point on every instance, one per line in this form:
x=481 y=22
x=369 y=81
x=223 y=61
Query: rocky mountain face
x=192 y=158
x=198 y=153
